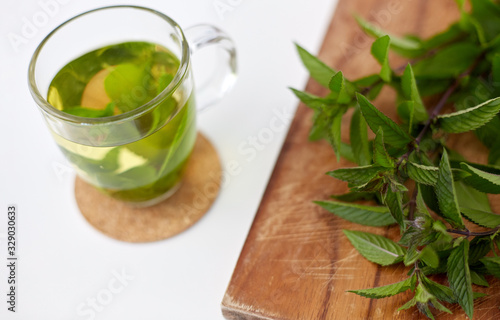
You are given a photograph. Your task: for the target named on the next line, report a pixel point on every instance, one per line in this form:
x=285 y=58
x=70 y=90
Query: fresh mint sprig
x=407 y=170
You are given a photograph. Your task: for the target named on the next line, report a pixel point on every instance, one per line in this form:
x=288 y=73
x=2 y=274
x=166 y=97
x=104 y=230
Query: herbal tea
x=116 y=79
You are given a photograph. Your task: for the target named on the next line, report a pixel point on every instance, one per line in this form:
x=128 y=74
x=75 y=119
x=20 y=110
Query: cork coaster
x=120 y=221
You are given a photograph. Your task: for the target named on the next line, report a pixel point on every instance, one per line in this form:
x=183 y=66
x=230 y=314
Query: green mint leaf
x=184 y=118
x=409 y=86
x=366 y=215
x=425 y=310
x=481 y=180
x=430 y=198
x=459 y=277
x=441 y=292
x=413 y=281
x=449 y=62
x=163 y=81
x=375 y=248
x=478 y=279
x=125 y=79
x=406 y=111
x=380 y=155
x=429 y=257
x=318 y=70
x=338 y=85
x=471 y=198
x=384 y=291
x=460 y=4
x=445 y=236
x=471 y=25
x=394 y=201
x=496 y=68
x=395 y=185
x=436 y=304
x=450 y=35
x=359 y=139
x=477 y=295
x=108 y=164
x=367 y=81
x=110 y=109
x=375 y=185
x=487 y=14
x=409 y=304
x=312 y=101
x=446 y=196
x=410 y=93
x=141 y=175
x=334 y=133
x=346 y=152
x=92 y=113
x=320 y=125
x=492 y=264
x=481 y=218
x=432 y=86
x=412 y=255
x=423 y=299
x=404 y=46
x=421 y=207
x=380 y=50
x=488 y=168
x=474 y=87
x=459 y=174
x=393 y=134
x=138 y=176
x=422 y=174
x=478 y=248
x=420 y=232
x=470 y=118
x=357 y=175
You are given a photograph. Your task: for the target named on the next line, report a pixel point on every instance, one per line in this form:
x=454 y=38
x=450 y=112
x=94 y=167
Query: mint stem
x=437 y=109
x=412 y=204
x=469 y=233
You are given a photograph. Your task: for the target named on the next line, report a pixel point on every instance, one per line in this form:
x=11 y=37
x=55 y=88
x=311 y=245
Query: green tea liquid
x=117 y=79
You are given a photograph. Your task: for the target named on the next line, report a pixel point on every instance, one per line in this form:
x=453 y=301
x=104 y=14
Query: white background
x=63 y=262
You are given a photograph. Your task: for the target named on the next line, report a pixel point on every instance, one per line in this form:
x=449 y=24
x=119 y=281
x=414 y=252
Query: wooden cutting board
x=296 y=262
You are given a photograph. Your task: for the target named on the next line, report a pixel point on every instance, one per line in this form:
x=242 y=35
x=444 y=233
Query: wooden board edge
x=231 y=313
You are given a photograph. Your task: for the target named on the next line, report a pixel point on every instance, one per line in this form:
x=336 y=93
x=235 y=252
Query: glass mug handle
x=225 y=73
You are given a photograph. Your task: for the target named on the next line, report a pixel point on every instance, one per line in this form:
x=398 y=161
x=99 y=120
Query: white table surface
x=64 y=263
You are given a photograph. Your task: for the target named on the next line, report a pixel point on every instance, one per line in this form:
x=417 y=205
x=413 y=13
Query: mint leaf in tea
x=114 y=80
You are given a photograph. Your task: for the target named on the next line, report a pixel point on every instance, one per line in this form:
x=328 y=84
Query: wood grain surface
x=296 y=262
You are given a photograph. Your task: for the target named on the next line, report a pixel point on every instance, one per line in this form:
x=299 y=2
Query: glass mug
x=139 y=155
